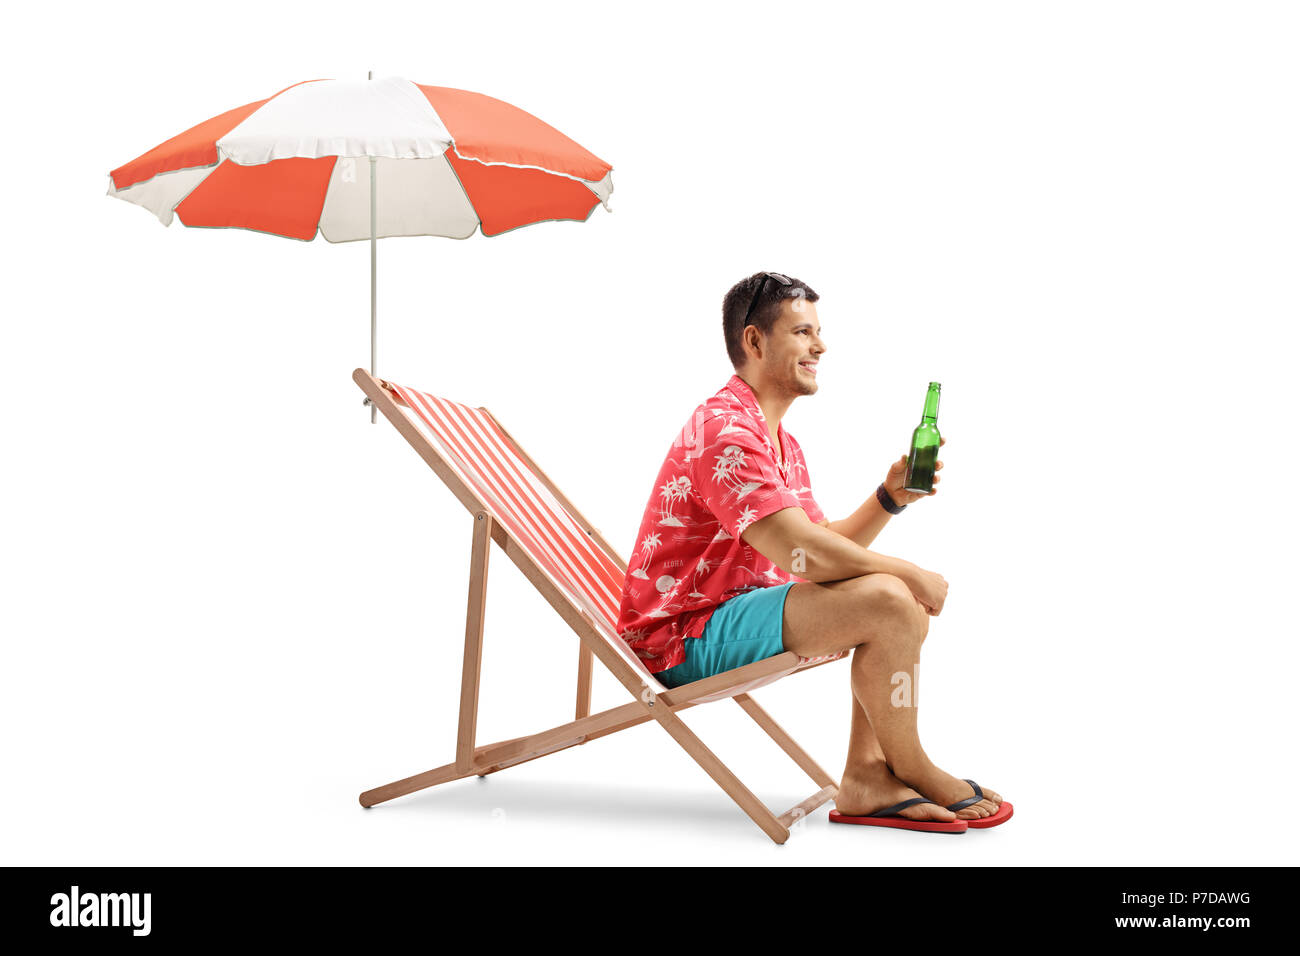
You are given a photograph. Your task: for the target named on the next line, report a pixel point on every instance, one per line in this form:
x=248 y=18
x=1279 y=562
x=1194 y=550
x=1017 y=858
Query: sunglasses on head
x=775 y=276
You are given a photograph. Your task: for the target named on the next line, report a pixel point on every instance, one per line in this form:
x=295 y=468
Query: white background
x=231 y=604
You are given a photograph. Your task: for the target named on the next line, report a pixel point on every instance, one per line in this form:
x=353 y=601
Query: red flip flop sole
x=1003 y=814
x=902 y=823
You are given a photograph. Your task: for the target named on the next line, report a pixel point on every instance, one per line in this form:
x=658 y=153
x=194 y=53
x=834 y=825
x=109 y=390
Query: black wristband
x=887 y=502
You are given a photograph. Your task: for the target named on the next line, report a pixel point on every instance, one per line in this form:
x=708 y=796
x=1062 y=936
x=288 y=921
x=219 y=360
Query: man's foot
x=945 y=790
x=875 y=788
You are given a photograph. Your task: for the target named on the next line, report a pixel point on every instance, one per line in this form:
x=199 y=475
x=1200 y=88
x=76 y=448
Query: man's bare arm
x=816 y=553
x=787 y=538
x=863 y=525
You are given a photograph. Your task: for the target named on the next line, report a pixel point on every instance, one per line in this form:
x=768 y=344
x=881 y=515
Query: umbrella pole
x=373 y=321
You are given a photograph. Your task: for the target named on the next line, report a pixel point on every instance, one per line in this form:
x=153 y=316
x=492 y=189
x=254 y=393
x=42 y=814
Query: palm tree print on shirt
x=732 y=458
x=672 y=492
x=648 y=546
x=701 y=569
x=745 y=520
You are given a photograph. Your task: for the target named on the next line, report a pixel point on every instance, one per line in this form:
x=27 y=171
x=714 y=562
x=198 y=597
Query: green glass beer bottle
x=925 y=446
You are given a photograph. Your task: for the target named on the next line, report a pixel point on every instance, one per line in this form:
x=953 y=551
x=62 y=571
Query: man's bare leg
x=877 y=616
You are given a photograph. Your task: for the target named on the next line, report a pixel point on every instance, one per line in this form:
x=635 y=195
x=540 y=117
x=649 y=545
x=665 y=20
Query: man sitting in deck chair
x=711 y=583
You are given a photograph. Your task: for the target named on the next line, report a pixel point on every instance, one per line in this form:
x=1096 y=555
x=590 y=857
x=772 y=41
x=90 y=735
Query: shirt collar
x=745 y=395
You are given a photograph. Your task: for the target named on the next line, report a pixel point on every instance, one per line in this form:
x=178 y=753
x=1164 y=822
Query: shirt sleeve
x=737 y=479
x=803 y=484
x=811 y=508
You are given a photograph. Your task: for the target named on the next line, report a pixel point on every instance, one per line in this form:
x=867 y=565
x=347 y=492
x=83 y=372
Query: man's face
x=791 y=351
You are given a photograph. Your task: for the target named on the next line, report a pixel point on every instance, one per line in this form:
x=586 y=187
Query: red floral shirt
x=721 y=475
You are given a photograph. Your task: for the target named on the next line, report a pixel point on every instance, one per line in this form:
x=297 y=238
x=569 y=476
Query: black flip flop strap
x=963 y=804
x=893 y=811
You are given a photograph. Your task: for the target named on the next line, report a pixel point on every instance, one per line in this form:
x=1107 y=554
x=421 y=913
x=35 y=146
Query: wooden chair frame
x=474 y=759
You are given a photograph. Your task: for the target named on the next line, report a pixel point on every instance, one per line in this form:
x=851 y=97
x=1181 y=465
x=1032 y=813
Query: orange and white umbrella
x=368 y=159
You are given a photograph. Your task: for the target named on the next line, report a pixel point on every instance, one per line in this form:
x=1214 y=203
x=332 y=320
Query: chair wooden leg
x=421 y=781
x=584 y=682
x=724 y=778
x=471 y=666
x=507 y=753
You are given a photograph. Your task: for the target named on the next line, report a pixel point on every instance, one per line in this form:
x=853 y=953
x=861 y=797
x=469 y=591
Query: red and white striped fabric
x=447 y=162
x=479 y=453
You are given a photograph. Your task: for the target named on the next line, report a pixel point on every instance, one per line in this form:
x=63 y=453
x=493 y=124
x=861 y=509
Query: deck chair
x=516 y=505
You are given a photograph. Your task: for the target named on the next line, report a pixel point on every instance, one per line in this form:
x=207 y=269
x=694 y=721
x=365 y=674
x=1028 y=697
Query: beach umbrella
x=368 y=159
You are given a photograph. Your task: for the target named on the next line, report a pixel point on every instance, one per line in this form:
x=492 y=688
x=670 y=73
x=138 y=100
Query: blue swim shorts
x=743 y=629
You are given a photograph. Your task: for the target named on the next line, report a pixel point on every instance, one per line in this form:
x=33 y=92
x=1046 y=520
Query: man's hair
x=766 y=311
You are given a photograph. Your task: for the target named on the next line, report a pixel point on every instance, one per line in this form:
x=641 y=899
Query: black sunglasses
x=784 y=280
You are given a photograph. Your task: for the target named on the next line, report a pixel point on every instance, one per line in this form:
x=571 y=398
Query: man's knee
x=887 y=609
x=819 y=619
x=884 y=595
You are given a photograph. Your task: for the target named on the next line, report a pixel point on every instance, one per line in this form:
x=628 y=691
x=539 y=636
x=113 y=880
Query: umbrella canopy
x=446 y=162
x=368 y=160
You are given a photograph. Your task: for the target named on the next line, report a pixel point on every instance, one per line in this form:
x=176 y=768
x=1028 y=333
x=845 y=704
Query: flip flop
x=1001 y=815
x=889 y=817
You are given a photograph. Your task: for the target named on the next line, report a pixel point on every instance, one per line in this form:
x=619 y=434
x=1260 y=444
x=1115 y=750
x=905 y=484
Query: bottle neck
x=931 y=413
